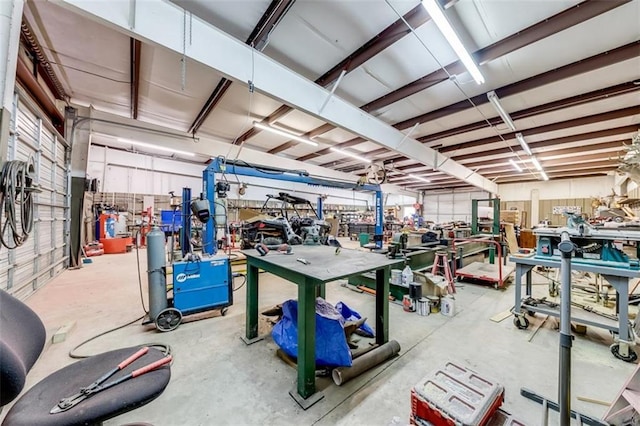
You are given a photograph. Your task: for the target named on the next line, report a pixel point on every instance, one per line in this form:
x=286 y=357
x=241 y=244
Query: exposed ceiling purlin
x=549 y=143
x=42 y=63
x=135 y=48
x=592 y=63
x=258 y=39
x=394 y=32
x=545 y=28
x=596 y=95
x=560 y=125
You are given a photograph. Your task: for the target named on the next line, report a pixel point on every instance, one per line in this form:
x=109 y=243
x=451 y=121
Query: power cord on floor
x=166 y=348
x=244 y=281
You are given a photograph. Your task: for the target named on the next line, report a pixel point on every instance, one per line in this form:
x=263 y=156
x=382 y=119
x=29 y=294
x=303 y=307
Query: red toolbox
x=454 y=395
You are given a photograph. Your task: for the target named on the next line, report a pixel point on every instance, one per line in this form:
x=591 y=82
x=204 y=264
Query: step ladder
x=442 y=261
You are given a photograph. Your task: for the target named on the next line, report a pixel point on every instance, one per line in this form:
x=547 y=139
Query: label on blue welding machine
x=183 y=277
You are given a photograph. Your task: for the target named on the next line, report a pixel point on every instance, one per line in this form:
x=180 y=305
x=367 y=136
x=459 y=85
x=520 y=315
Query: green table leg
x=382 y=305
x=306 y=338
x=321 y=291
x=251 y=332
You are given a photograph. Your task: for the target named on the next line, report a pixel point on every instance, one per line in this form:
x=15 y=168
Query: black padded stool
x=17 y=357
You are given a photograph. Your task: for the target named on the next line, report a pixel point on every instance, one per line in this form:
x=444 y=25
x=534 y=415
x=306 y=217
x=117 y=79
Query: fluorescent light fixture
x=452 y=38
x=544 y=175
x=419 y=178
x=523 y=143
x=515 y=165
x=350 y=154
x=284 y=133
x=156 y=147
x=536 y=163
x=495 y=101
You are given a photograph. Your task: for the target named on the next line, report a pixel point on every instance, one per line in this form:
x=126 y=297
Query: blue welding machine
x=202 y=284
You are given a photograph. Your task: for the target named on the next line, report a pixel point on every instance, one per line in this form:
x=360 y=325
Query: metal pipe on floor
x=365 y=362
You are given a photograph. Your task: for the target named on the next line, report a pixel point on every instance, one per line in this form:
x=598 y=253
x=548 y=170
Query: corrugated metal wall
x=452 y=206
x=45 y=253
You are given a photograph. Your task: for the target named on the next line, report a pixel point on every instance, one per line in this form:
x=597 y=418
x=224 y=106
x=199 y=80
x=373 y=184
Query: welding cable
x=165 y=348
x=244 y=281
x=16 y=189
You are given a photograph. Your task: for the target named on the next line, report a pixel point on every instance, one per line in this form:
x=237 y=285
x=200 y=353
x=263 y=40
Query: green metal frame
x=496 y=215
x=308 y=290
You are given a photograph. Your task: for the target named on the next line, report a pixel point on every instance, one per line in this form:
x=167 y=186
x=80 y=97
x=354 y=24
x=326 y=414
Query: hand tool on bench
x=97 y=386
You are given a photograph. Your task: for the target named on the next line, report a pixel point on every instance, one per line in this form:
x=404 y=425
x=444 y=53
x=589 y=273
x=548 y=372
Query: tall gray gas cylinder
x=156 y=272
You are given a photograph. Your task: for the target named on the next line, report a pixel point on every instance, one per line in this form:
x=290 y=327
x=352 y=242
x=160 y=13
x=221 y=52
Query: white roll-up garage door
x=45 y=253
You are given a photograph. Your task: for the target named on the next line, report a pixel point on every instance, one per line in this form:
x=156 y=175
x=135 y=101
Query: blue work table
x=324 y=266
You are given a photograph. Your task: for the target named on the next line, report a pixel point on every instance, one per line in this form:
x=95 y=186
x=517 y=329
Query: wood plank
x=501 y=316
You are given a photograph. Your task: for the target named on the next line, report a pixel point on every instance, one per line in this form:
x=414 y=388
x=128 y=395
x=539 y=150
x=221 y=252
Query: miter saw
x=597 y=246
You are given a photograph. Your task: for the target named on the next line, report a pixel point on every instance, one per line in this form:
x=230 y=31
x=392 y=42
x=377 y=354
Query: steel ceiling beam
x=596 y=95
x=601 y=60
x=258 y=37
x=135 y=48
x=616 y=131
x=551 y=152
x=161 y=23
x=561 y=21
x=560 y=125
x=394 y=32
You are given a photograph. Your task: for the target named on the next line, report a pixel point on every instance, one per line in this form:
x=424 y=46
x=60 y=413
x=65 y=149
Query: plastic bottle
x=407 y=276
x=448 y=306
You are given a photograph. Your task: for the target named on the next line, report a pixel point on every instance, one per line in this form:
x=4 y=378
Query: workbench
x=616 y=276
x=324 y=266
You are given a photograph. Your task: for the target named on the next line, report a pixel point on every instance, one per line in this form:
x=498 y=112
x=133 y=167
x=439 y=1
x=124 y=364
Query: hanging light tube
x=448 y=32
x=536 y=164
x=420 y=178
x=544 y=175
x=523 y=143
x=515 y=165
x=495 y=101
x=156 y=147
x=284 y=133
x=350 y=154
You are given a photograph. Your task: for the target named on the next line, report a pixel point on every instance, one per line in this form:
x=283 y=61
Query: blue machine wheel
x=224 y=310
x=168 y=319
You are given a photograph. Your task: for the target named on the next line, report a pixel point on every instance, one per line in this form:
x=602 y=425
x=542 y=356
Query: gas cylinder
x=156 y=272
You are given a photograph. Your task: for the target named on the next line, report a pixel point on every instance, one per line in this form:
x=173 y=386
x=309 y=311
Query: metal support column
x=564 y=376
x=379 y=219
x=209 y=244
x=185 y=230
x=382 y=305
x=320 y=208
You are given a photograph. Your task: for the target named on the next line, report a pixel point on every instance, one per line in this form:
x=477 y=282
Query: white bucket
x=396 y=276
x=447 y=306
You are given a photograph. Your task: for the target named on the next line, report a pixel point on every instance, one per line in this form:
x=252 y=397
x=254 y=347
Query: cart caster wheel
x=458 y=278
x=495 y=285
x=531 y=313
x=168 y=319
x=521 y=322
x=224 y=311
x=615 y=350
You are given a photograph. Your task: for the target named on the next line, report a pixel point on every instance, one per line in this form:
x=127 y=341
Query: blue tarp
x=331 y=344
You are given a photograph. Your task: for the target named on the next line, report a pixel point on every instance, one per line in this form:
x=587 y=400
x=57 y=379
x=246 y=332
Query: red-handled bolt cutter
x=97 y=386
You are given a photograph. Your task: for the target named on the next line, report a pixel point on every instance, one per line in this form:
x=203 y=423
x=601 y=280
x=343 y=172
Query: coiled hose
x=16 y=199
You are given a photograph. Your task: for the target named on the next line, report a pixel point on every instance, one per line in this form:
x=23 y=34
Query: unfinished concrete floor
x=218 y=380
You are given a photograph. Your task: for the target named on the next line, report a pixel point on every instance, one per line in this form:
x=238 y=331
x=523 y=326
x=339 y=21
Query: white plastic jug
x=447 y=306
x=407 y=276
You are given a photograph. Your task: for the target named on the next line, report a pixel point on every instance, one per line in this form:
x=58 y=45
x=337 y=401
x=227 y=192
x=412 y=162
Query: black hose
x=16 y=189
